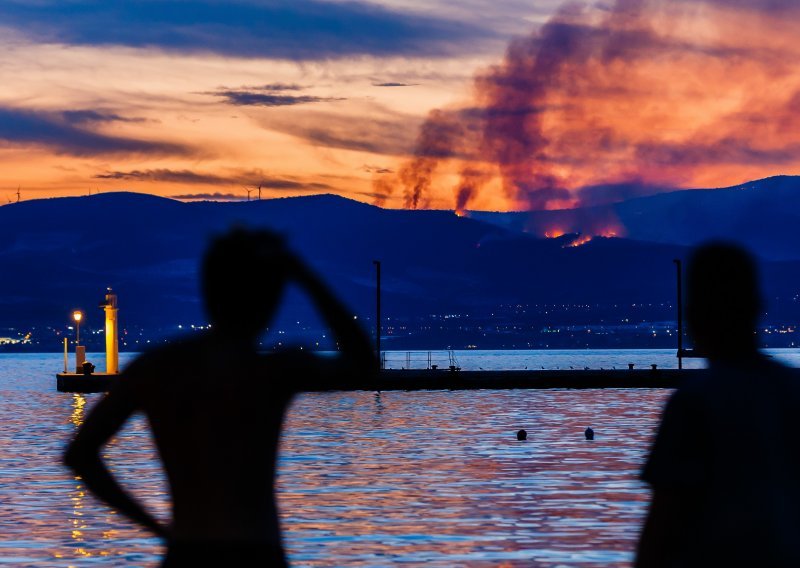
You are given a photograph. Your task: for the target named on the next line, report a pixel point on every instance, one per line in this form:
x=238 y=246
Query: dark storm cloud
x=53 y=130
x=166 y=175
x=248 y=178
x=276 y=87
x=392 y=84
x=250 y=98
x=88 y=116
x=217 y=196
x=302 y=29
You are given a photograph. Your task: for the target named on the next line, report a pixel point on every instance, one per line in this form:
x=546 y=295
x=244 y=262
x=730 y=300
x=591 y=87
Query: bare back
x=216 y=412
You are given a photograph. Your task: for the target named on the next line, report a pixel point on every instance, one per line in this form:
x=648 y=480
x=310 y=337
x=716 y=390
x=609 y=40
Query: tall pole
x=680 y=312
x=377 y=264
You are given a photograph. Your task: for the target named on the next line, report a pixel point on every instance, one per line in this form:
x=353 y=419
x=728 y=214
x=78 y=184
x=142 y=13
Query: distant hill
x=761 y=214
x=59 y=254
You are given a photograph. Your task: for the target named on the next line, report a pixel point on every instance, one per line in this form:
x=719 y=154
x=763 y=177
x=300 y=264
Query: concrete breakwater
x=430 y=379
x=443 y=379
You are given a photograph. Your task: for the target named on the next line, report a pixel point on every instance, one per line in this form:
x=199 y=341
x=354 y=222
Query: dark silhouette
x=522 y=435
x=215 y=406
x=589 y=433
x=725 y=465
x=87 y=368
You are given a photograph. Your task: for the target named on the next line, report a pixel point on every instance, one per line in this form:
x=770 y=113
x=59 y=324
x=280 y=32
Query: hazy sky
x=486 y=104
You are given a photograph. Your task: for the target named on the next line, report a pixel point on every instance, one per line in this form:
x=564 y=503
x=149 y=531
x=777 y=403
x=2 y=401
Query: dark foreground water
x=421 y=478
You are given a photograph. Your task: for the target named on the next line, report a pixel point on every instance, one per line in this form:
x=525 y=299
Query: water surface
x=432 y=478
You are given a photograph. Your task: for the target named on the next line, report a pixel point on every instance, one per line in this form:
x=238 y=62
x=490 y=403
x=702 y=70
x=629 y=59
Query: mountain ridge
x=59 y=254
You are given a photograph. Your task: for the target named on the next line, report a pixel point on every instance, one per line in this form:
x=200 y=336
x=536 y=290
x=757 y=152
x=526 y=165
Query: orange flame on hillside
x=581 y=240
x=583 y=236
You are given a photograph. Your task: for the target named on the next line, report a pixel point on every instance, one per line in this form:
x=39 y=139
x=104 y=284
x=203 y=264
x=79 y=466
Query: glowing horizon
x=640 y=96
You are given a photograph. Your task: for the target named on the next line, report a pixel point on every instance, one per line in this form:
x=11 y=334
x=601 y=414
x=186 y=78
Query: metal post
x=377 y=264
x=65 y=355
x=680 y=312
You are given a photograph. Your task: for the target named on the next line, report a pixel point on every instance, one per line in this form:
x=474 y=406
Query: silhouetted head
x=522 y=435
x=244 y=274
x=722 y=300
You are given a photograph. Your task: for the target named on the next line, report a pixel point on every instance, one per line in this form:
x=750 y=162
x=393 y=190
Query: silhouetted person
x=725 y=465
x=522 y=435
x=87 y=368
x=589 y=433
x=215 y=406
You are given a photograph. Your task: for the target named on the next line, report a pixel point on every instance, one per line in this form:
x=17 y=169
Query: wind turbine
x=249 y=191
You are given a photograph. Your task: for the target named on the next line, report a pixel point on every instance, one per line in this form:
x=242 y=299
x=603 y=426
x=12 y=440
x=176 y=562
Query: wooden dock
x=443 y=379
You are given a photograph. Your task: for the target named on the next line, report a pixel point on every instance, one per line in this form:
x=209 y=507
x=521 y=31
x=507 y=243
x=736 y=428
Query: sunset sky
x=475 y=104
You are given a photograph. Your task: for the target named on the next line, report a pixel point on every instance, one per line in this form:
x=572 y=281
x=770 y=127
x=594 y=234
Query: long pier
x=443 y=379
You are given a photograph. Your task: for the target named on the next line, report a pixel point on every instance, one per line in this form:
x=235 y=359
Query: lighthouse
x=112 y=338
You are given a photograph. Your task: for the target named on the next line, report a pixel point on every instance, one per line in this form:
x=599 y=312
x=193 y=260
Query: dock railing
x=417 y=360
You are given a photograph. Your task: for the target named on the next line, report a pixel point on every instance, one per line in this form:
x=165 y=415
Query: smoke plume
x=632 y=94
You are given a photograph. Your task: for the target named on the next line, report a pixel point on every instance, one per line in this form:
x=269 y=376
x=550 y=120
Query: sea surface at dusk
x=431 y=478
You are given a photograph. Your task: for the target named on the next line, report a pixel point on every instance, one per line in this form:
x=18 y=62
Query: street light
x=77 y=315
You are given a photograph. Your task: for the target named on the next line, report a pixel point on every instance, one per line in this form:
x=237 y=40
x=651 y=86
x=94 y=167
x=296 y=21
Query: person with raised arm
x=216 y=405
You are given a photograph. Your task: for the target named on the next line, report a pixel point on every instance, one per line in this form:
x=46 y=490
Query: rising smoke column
x=515 y=95
x=634 y=93
x=513 y=99
x=438 y=138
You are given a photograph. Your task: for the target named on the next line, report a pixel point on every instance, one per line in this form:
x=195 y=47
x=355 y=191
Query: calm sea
x=419 y=478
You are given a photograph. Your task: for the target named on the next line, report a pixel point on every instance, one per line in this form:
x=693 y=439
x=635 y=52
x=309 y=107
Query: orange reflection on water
x=439 y=478
x=78 y=497
x=78 y=409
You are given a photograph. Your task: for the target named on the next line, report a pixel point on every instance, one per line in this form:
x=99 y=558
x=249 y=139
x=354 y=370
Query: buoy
x=589 y=433
x=522 y=435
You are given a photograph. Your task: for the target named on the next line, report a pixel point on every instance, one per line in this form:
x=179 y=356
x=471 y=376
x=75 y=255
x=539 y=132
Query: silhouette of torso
x=216 y=409
x=729 y=442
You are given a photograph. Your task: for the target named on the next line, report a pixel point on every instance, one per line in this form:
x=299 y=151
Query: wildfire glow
x=554 y=234
x=581 y=240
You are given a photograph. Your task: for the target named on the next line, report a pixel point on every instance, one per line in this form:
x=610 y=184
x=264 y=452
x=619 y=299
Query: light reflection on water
x=438 y=478
x=422 y=478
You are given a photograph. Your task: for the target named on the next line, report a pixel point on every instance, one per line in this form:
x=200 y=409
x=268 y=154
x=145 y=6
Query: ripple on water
x=438 y=478
x=418 y=478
